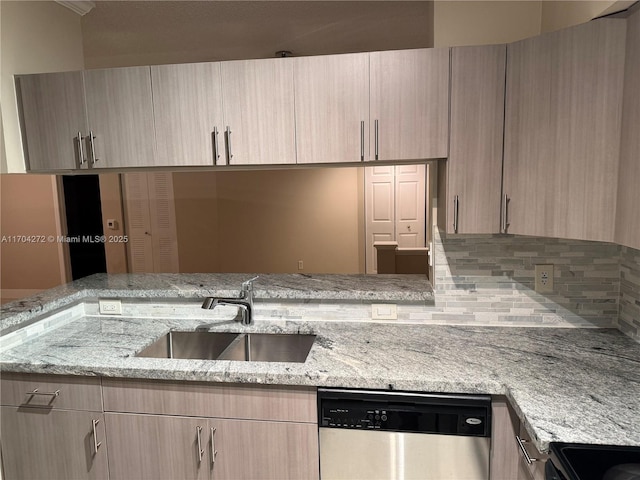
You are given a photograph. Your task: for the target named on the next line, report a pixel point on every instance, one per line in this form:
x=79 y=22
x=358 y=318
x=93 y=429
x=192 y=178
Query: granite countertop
x=569 y=385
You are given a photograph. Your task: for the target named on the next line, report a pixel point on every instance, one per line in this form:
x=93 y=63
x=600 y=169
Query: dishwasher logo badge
x=473 y=421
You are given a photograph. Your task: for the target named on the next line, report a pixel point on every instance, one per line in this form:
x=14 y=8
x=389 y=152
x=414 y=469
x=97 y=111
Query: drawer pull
x=45 y=394
x=96 y=443
x=525 y=454
x=200 y=451
x=213 y=447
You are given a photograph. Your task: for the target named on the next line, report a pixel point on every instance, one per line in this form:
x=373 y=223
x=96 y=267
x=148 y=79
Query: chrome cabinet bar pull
x=80 y=149
x=362 y=141
x=505 y=223
x=216 y=151
x=375 y=128
x=200 y=451
x=96 y=443
x=213 y=447
x=92 y=147
x=36 y=392
x=525 y=454
x=229 y=154
x=455 y=214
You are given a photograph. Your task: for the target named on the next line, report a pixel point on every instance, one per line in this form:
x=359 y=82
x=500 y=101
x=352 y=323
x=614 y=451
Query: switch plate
x=112 y=224
x=544 y=278
x=110 y=307
x=384 y=311
x=300 y=265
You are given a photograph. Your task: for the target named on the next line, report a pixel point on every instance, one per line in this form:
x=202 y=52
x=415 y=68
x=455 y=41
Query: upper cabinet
x=187 y=108
x=332 y=108
x=120 y=114
x=627 y=213
x=562 y=137
x=259 y=111
x=54 y=120
x=409 y=104
x=474 y=167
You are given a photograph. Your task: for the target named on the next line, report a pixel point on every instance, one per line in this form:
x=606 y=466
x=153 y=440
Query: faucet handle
x=248 y=284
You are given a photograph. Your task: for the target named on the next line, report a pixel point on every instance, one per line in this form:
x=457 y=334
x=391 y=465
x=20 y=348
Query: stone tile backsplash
x=629 y=318
x=490 y=279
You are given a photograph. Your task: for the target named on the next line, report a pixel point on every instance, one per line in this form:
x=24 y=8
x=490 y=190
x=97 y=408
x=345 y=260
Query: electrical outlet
x=544 y=279
x=110 y=307
x=300 y=265
x=384 y=311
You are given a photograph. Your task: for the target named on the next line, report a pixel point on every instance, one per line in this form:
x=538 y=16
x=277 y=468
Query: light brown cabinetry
x=259 y=111
x=474 y=167
x=409 y=104
x=187 y=108
x=54 y=120
x=562 y=131
x=332 y=108
x=120 y=115
x=627 y=230
x=48 y=430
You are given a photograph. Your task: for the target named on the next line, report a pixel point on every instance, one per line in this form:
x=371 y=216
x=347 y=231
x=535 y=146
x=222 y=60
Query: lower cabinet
x=166 y=447
x=45 y=443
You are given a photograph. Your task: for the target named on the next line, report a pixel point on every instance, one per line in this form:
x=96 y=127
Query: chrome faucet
x=244 y=302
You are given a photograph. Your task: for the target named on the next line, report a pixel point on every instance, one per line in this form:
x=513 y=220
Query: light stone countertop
x=569 y=385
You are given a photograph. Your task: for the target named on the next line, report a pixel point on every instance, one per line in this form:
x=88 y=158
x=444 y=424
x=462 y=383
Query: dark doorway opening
x=84 y=225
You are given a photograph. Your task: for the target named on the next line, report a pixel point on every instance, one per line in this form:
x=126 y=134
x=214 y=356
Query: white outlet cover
x=544 y=278
x=384 y=311
x=110 y=307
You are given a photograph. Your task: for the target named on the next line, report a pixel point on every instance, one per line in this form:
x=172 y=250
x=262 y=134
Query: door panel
x=137 y=222
x=410 y=206
x=379 y=210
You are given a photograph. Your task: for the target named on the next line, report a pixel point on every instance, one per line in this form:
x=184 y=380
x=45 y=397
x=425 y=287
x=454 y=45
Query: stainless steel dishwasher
x=367 y=434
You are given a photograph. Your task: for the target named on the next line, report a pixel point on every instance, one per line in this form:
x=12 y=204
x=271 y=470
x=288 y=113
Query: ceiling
x=123 y=33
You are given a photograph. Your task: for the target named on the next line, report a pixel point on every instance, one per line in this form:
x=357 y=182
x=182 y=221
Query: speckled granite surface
x=396 y=288
x=570 y=385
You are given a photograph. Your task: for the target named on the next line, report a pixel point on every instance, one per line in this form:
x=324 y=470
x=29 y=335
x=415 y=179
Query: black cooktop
x=593 y=462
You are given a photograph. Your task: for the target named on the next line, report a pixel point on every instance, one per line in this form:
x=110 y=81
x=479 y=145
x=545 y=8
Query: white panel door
x=410 y=205
x=379 y=211
x=163 y=222
x=137 y=222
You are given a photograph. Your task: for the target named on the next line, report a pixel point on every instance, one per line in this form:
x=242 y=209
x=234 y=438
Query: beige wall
x=266 y=221
x=111 y=203
x=26 y=208
x=35 y=37
x=481 y=23
x=559 y=14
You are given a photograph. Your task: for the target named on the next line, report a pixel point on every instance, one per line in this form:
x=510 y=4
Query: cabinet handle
x=200 y=451
x=96 y=443
x=92 y=147
x=213 y=447
x=505 y=212
x=229 y=154
x=362 y=141
x=80 y=149
x=375 y=131
x=216 y=152
x=455 y=214
x=46 y=394
x=525 y=454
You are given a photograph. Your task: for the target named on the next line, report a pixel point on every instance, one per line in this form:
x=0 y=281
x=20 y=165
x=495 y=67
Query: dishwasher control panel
x=405 y=412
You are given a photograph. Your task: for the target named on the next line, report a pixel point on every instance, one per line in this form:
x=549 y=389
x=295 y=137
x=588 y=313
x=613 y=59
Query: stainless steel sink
x=269 y=347
x=193 y=345
x=256 y=347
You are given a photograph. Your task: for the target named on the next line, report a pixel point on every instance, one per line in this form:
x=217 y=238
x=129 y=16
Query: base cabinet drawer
x=49 y=444
x=157 y=447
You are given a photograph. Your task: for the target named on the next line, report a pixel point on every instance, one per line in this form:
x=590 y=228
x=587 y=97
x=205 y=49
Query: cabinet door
x=157 y=447
x=54 y=120
x=187 y=109
x=43 y=443
x=120 y=115
x=562 y=131
x=259 y=111
x=628 y=217
x=409 y=104
x=474 y=167
x=332 y=108
x=264 y=450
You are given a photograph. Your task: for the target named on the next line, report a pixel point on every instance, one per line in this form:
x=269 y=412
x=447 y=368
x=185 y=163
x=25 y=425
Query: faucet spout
x=244 y=302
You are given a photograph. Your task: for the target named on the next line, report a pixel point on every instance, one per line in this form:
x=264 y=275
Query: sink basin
x=256 y=347
x=193 y=345
x=269 y=347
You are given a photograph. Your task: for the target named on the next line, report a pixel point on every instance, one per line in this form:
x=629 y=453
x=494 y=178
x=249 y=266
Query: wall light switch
x=112 y=224
x=384 y=311
x=544 y=278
